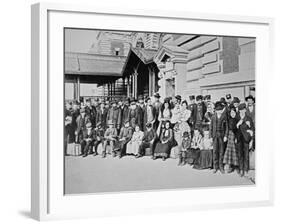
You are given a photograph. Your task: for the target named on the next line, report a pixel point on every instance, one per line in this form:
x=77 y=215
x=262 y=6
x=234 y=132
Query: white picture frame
x=48 y=201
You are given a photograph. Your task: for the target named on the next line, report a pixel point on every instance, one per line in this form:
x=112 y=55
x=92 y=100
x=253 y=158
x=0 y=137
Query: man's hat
x=232 y=107
x=199 y=97
x=222 y=99
x=114 y=101
x=109 y=122
x=147 y=98
x=228 y=96
x=133 y=102
x=242 y=106
x=167 y=100
x=178 y=97
x=250 y=97
x=207 y=97
x=148 y=125
x=68 y=118
x=127 y=100
x=140 y=97
x=185 y=134
x=156 y=95
x=89 y=125
x=236 y=100
x=75 y=102
x=219 y=105
x=192 y=97
x=133 y=99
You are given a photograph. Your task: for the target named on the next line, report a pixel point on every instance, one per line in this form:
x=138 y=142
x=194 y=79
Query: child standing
x=186 y=143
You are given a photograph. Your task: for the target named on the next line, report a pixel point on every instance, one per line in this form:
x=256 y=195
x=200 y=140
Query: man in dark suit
x=192 y=107
x=91 y=112
x=124 y=107
x=199 y=112
x=218 y=131
x=124 y=137
x=89 y=137
x=251 y=107
x=147 y=140
x=251 y=112
x=149 y=112
x=245 y=135
x=157 y=105
x=101 y=115
x=134 y=116
x=114 y=115
x=141 y=108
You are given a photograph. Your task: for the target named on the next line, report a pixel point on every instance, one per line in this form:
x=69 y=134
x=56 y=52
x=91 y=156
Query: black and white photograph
x=147 y=111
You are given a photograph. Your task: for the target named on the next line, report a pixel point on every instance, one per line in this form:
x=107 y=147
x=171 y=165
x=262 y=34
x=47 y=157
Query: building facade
x=133 y=64
x=215 y=65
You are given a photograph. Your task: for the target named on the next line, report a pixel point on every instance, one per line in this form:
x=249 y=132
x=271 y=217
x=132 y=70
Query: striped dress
x=231 y=155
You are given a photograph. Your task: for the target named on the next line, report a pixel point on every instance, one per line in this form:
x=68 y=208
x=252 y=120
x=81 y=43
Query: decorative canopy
x=93 y=68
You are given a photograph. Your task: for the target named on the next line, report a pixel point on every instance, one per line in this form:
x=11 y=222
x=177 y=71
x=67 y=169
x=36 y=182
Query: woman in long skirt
x=231 y=156
x=163 y=148
x=180 y=116
x=134 y=144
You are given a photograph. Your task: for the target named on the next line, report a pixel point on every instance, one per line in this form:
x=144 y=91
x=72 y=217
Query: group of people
x=200 y=133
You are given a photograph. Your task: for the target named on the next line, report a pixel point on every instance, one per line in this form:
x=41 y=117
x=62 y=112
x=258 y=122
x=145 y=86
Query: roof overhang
x=144 y=55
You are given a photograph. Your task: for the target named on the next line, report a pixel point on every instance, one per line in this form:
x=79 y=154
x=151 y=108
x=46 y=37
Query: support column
x=153 y=82
x=108 y=89
x=133 y=85
x=78 y=88
x=150 y=81
x=136 y=85
x=123 y=87
x=128 y=86
x=114 y=89
x=111 y=91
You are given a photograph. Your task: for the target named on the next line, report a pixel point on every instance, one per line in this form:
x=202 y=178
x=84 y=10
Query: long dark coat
x=114 y=115
x=101 y=117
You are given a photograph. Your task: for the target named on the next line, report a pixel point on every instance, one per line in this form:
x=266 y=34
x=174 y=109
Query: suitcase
x=174 y=152
x=147 y=152
x=74 y=149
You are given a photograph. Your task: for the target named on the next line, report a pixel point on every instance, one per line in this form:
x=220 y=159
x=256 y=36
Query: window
x=117 y=51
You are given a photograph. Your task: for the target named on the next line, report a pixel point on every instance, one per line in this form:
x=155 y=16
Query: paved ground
x=95 y=174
